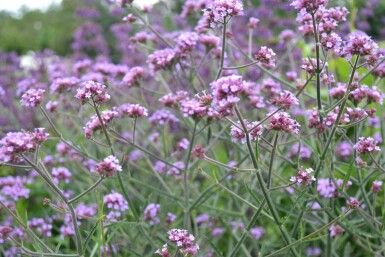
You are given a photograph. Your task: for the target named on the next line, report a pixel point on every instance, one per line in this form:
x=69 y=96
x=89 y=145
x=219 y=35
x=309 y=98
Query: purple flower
x=253 y=22
x=162 y=59
x=281 y=121
x=216 y=232
x=133 y=110
x=376 y=186
x=305 y=152
x=43 y=226
x=15 y=143
x=163 y=117
x=94 y=123
x=198 y=151
x=225 y=93
x=266 y=56
x=91 y=90
x=303 y=177
x=174 y=171
x=359 y=44
x=366 y=145
x=184 y=241
x=186 y=42
x=336 y=230
x=133 y=76
x=33 y=97
x=286 y=100
x=331 y=42
x=237 y=135
x=108 y=166
x=151 y=213
x=257 y=232
x=61 y=174
x=219 y=10
x=117 y=204
x=309 y=6
x=327 y=189
x=164 y=251
x=344 y=149
x=65 y=83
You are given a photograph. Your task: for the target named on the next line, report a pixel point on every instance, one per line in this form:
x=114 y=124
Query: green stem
x=186 y=218
x=87 y=191
x=303 y=239
x=272 y=160
x=223 y=49
x=335 y=125
x=318 y=68
x=248 y=228
x=262 y=184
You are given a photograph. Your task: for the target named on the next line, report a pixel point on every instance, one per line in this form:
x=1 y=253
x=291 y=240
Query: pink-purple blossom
x=33 y=97
x=366 y=145
x=92 y=91
x=108 y=167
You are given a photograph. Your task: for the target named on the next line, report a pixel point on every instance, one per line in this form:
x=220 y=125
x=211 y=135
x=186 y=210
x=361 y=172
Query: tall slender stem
x=335 y=125
x=186 y=219
x=125 y=194
x=318 y=67
x=87 y=191
x=272 y=160
x=78 y=240
x=262 y=184
x=223 y=49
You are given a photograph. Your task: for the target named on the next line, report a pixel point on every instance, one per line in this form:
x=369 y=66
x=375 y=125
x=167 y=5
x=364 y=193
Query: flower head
x=33 y=97
x=239 y=135
x=219 y=10
x=91 y=90
x=366 y=145
x=309 y=6
x=133 y=110
x=281 y=121
x=108 y=166
x=266 y=56
x=359 y=44
x=162 y=59
x=286 y=100
x=303 y=177
x=184 y=241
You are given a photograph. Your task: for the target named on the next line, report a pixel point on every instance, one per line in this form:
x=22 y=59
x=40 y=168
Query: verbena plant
x=200 y=142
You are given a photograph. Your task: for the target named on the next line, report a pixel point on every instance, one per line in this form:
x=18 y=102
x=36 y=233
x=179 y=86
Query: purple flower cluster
x=184 y=242
x=366 y=145
x=43 y=226
x=303 y=177
x=132 y=110
x=238 y=135
x=117 y=205
x=285 y=101
x=281 y=121
x=91 y=90
x=108 y=166
x=94 y=123
x=162 y=59
x=219 y=10
x=15 y=143
x=61 y=174
x=225 y=93
x=310 y=6
x=133 y=76
x=151 y=213
x=328 y=189
x=33 y=97
x=266 y=57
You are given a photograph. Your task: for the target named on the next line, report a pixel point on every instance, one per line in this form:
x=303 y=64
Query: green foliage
x=37 y=30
